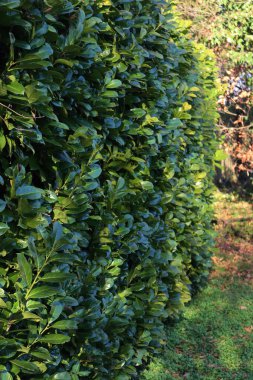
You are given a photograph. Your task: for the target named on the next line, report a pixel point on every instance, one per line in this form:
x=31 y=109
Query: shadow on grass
x=214 y=341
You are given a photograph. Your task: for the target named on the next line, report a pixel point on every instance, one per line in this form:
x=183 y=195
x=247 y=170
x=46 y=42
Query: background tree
x=226 y=27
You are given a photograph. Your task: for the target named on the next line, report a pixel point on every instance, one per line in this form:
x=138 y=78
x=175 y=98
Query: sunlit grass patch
x=229 y=353
x=214 y=341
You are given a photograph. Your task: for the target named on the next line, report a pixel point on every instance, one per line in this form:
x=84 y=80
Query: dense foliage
x=106 y=142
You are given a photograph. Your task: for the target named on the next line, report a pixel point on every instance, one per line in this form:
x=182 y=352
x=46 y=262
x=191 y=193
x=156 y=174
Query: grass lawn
x=215 y=339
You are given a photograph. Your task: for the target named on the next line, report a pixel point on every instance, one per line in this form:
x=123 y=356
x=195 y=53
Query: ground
x=215 y=339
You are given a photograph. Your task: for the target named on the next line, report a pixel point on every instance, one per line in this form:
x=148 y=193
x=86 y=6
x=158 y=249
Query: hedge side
x=107 y=137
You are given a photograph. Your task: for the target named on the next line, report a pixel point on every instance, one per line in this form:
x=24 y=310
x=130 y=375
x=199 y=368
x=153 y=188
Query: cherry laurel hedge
x=106 y=141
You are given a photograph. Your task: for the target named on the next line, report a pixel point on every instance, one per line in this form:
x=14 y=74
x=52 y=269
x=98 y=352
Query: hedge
x=107 y=138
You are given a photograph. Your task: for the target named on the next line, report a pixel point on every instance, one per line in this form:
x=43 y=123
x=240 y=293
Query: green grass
x=214 y=341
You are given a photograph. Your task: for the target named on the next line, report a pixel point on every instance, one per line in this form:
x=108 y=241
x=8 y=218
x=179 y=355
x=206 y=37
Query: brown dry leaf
x=244 y=94
x=248 y=329
x=212 y=366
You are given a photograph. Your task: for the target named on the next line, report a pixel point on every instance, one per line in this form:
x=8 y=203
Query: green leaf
x=35 y=94
x=3 y=89
x=43 y=53
x=25 y=268
x=15 y=87
x=5 y=376
x=147 y=185
x=2 y=141
x=42 y=366
x=66 y=62
x=195 y=167
x=2 y=304
x=56 y=277
x=110 y=94
x=95 y=172
x=33 y=251
x=76 y=28
x=3 y=228
x=138 y=112
x=115 y=83
x=169 y=173
x=43 y=292
x=122 y=231
x=26 y=367
x=29 y=192
x=55 y=339
x=60 y=6
x=32 y=316
x=65 y=325
x=84 y=373
x=175 y=123
x=220 y=155
x=194 y=89
x=62 y=376
x=10 y=4
x=2 y=205
x=57 y=234
x=41 y=353
x=56 y=310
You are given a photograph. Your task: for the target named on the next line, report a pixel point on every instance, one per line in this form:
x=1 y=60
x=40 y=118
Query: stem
x=10 y=109
x=36 y=279
x=38 y=337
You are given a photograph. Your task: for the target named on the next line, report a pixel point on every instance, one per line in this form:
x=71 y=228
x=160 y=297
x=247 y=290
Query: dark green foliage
x=106 y=142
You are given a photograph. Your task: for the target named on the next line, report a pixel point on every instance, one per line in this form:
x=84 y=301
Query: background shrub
x=232 y=39
x=107 y=137
x=232 y=32
x=226 y=27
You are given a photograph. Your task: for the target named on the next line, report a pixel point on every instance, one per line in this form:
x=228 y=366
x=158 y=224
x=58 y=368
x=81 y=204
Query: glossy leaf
x=55 y=339
x=65 y=325
x=29 y=192
x=26 y=367
x=42 y=292
x=56 y=277
x=3 y=228
x=115 y=83
x=25 y=268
